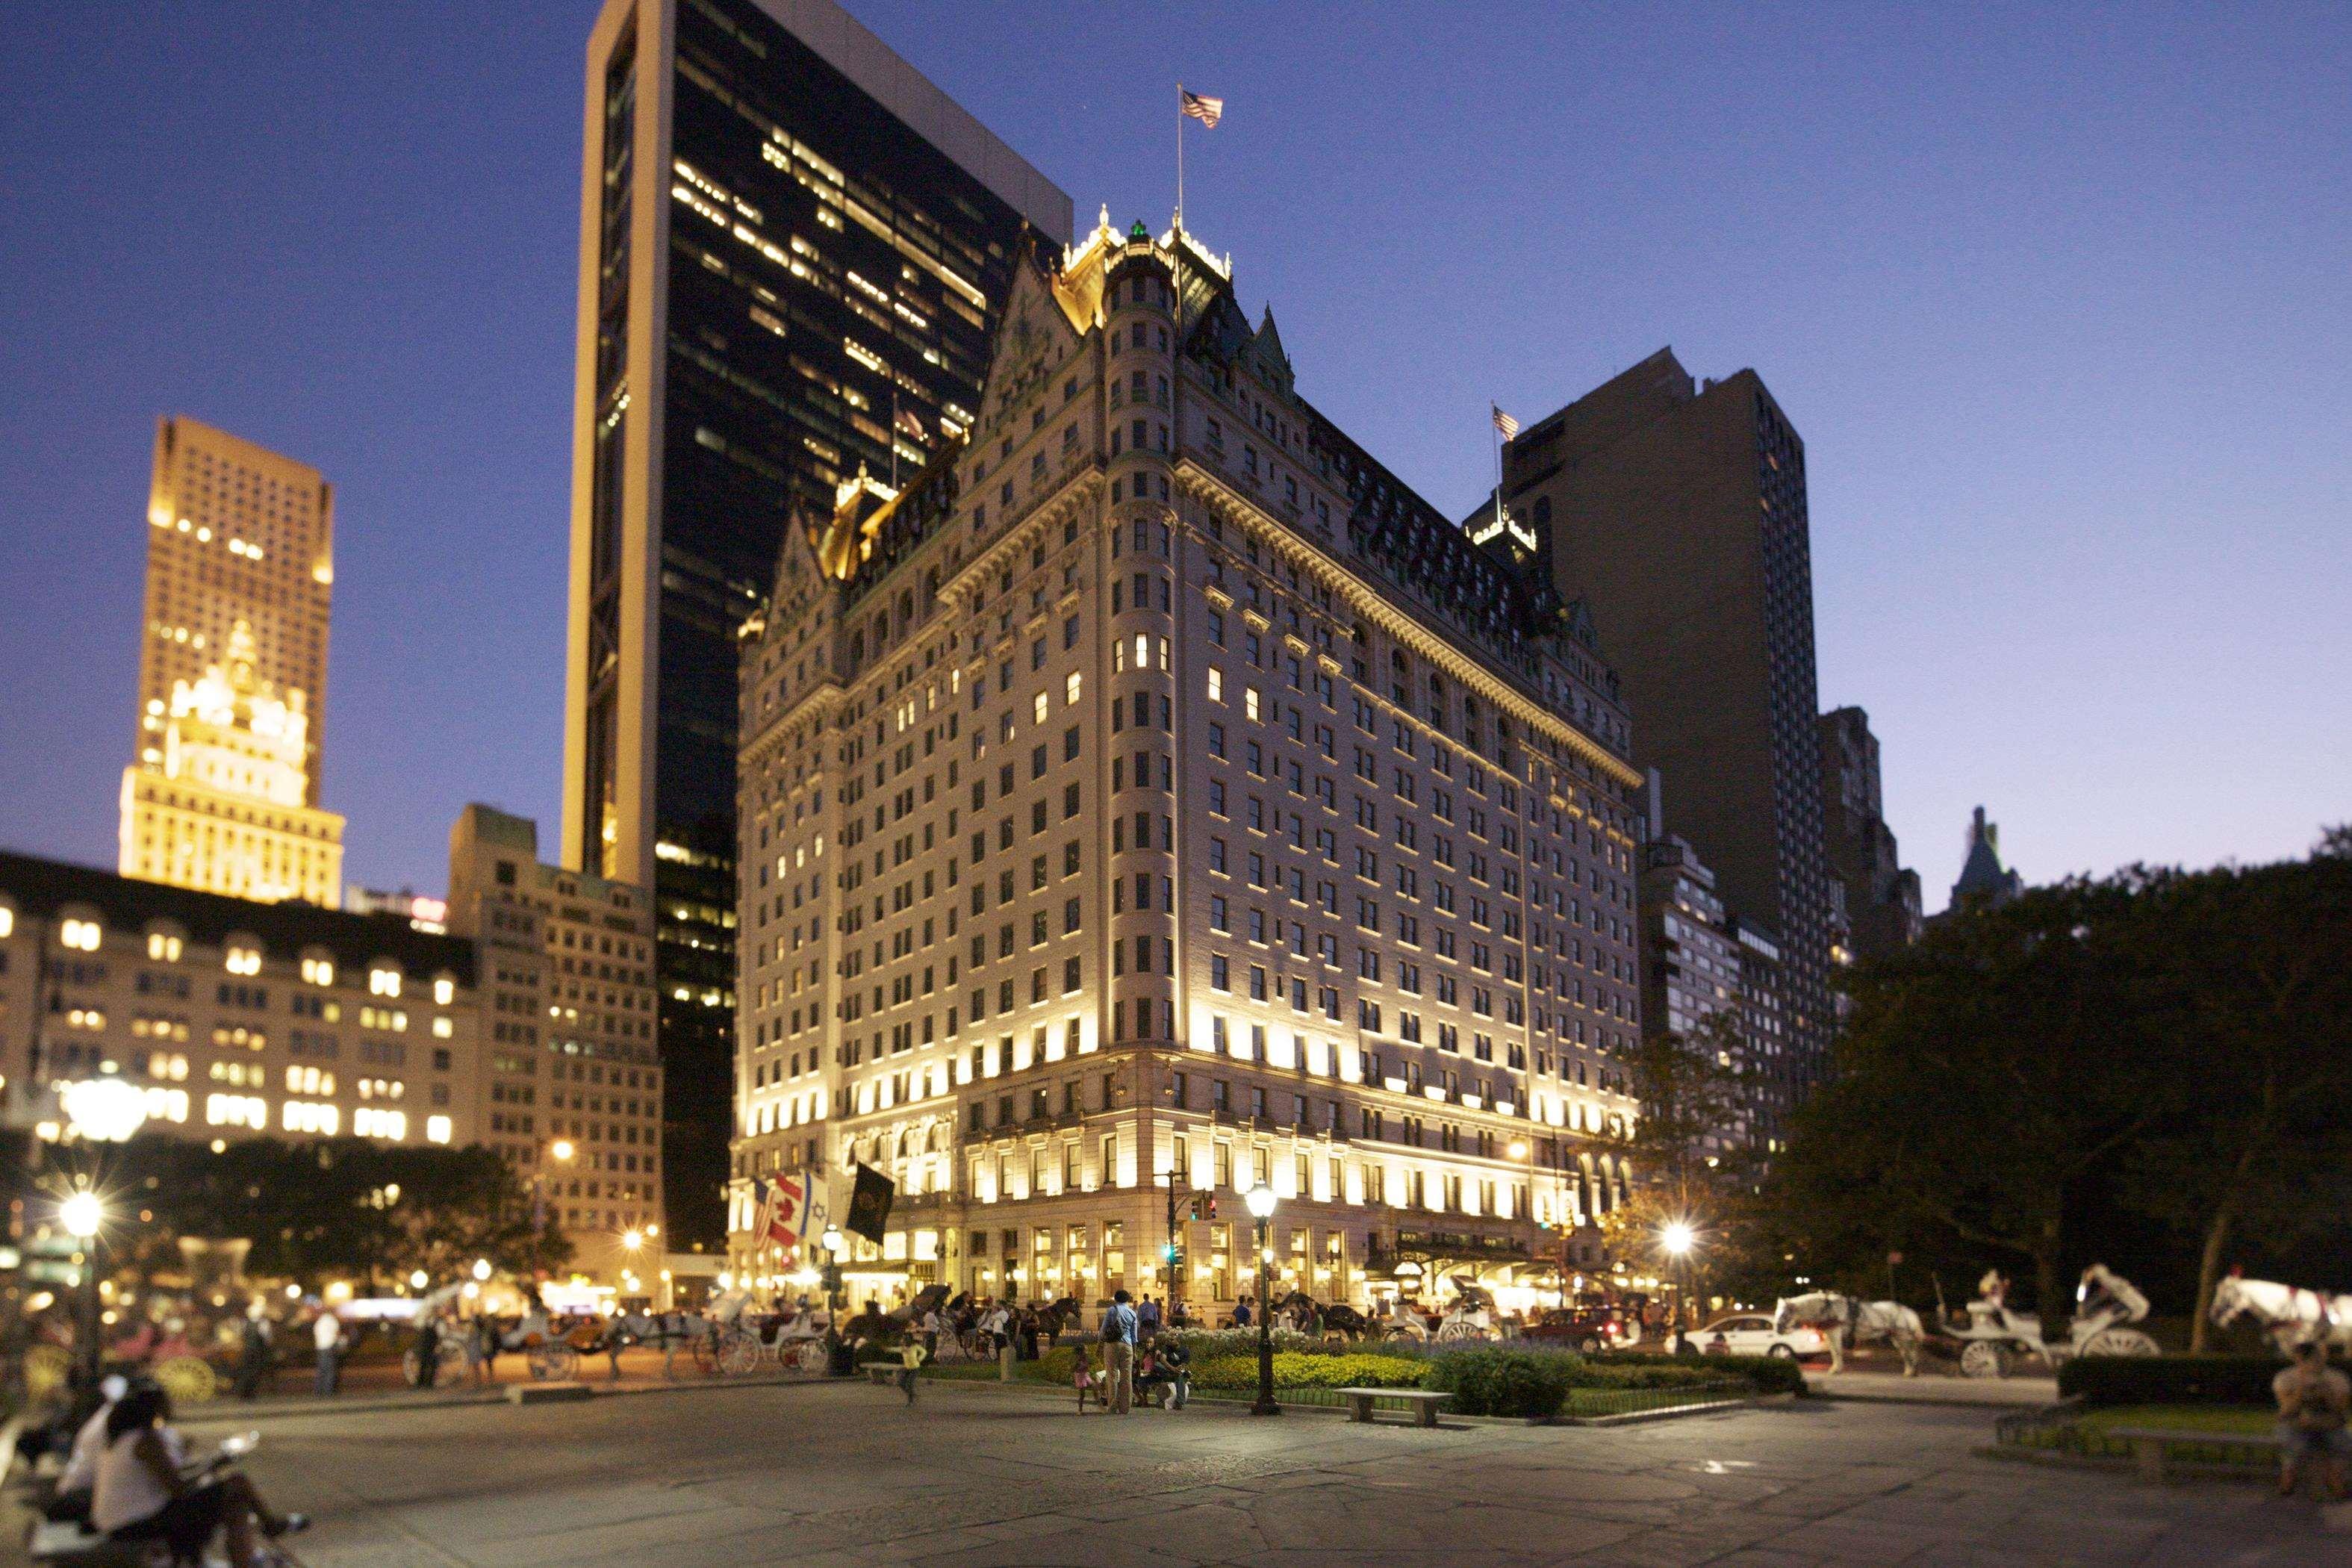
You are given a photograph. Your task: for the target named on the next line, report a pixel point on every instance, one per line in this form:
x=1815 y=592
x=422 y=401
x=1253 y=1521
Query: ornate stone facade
x=1155 y=799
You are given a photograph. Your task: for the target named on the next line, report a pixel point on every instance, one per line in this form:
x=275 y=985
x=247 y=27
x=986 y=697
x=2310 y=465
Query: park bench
x=1424 y=1406
x=2148 y=1445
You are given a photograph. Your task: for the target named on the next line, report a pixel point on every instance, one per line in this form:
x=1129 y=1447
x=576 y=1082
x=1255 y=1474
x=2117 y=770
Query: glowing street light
x=632 y=1239
x=81 y=1215
x=482 y=1270
x=1676 y=1238
x=418 y=1279
x=1260 y=1203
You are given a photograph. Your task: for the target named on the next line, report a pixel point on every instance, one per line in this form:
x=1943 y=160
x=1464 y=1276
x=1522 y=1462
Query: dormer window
x=383 y=982
x=318 y=970
x=242 y=957
x=81 y=936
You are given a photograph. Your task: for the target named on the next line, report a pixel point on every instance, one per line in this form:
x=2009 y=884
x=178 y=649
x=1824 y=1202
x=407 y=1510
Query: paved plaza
x=838 y=1474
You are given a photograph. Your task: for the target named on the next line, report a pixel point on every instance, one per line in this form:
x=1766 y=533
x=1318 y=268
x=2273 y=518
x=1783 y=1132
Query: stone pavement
x=826 y=1474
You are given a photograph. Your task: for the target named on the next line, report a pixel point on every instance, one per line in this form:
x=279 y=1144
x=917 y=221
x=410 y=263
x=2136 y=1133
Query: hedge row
x=2169 y=1380
x=1294 y=1370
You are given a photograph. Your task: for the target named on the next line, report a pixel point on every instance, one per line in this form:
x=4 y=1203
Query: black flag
x=869 y=1204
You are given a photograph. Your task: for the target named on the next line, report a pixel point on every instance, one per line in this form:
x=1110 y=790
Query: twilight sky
x=2059 y=299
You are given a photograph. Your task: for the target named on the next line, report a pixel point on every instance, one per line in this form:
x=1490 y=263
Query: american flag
x=1505 y=423
x=1207 y=111
x=909 y=423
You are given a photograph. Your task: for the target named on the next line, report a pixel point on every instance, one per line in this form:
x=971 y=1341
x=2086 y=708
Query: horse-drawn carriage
x=1993 y=1337
x=1470 y=1316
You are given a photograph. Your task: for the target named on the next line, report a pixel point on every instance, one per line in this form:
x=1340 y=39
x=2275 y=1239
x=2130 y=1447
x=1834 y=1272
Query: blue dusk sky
x=2059 y=299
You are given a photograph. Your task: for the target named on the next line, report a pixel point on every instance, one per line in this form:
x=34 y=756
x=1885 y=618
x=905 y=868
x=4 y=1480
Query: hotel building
x=790 y=249
x=1152 y=798
x=223 y=791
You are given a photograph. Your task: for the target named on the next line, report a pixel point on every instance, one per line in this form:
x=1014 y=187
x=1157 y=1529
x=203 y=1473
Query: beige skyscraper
x=223 y=788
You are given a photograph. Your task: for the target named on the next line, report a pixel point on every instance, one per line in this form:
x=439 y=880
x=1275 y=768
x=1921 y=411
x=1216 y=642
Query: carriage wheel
x=188 y=1379
x=2121 y=1341
x=553 y=1362
x=1399 y=1333
x=738 y=1352
x=1984 y=1357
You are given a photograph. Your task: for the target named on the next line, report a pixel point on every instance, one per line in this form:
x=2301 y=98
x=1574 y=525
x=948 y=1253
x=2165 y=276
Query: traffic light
x=1193 y=1208
x=1168 y=1253
x=1213 y=1206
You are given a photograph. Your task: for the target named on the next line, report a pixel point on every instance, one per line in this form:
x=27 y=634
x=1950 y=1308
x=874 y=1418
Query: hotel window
x=242 y=960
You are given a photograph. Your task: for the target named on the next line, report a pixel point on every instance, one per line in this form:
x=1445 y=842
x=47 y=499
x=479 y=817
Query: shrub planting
x=2170 y=1379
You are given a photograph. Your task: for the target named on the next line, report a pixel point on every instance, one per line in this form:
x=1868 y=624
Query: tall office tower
x=1677 y=512
x=1882 y=899
x=572 y=1079
x=223 y=791
x=790 y=246
x=1153 y=799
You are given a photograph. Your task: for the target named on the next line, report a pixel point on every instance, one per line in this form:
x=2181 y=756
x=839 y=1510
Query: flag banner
x=1207 y=111
x=910 y=423
x=787 y=1210
x=869 y=1205
x=1505 y=423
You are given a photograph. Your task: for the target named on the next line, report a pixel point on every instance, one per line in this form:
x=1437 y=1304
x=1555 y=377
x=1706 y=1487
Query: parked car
x=1589 y=1329
x=1752 y=1333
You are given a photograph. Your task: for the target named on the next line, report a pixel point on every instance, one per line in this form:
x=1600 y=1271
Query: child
x=1082 y=1374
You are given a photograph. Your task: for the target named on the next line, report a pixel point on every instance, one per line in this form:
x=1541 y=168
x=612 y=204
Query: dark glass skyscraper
x=790 y=247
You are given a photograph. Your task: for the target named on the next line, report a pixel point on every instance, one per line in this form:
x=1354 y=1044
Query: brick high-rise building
x=1676 y=511
x=571 y=1063
x=1154 y=799
x=1882 y=899
x=222 y=793
x=791 y=245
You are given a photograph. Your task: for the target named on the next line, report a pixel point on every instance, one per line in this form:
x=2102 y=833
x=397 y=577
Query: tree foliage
x=337 y=1208
x=2163 y=1047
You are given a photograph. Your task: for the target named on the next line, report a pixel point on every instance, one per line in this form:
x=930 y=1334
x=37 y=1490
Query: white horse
x=1861 y=1321
x=2290 y=1315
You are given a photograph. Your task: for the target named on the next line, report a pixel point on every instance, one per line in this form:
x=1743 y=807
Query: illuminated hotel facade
x=790 y=249
x=222 y=795
x=1155 y=792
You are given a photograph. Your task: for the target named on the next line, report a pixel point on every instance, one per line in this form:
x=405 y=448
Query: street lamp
x=1677 y=1239
x=482 y=1270
x=834 y=1245
x=100 y=1111
x=1260 y=1203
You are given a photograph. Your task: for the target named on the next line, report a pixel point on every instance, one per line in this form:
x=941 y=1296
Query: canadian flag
x=787 y=1210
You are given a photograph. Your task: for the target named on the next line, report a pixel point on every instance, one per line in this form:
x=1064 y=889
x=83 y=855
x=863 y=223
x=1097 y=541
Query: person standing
x=327 y=1336
x=253 y=1351
x=1119 y=1331
x=2313 y=1403
x=1146 y=1314
x=1242 y=1313
x=428 y=1354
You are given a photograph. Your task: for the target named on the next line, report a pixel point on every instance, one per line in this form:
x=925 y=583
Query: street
x=825 y=1474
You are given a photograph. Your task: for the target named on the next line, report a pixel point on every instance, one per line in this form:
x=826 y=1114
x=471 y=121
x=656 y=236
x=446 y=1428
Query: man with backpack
x=1119 y=1331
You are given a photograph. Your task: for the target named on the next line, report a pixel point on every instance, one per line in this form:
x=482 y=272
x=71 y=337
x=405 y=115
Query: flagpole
x=1180 y=157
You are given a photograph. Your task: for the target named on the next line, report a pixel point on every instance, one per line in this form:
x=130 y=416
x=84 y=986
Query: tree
x=1688 y=1147
x=2257 y=1028
x=335 y=1208
x=1988 y=1073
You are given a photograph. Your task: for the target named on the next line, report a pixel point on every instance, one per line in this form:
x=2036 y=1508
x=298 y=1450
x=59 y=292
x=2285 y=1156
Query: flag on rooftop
x=1505 y=423
x=1207 y=111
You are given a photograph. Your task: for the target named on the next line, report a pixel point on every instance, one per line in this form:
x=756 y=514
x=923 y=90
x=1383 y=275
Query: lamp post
x=1678 y=1239
x=1261 y=1207
x=102 y=1110
x=834 y=1245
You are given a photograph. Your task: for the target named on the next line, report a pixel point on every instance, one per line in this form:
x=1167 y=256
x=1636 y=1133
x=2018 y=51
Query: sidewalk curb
x=232 y=1412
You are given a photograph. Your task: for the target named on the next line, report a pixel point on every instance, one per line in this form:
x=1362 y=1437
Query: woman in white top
x=141 y=1494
